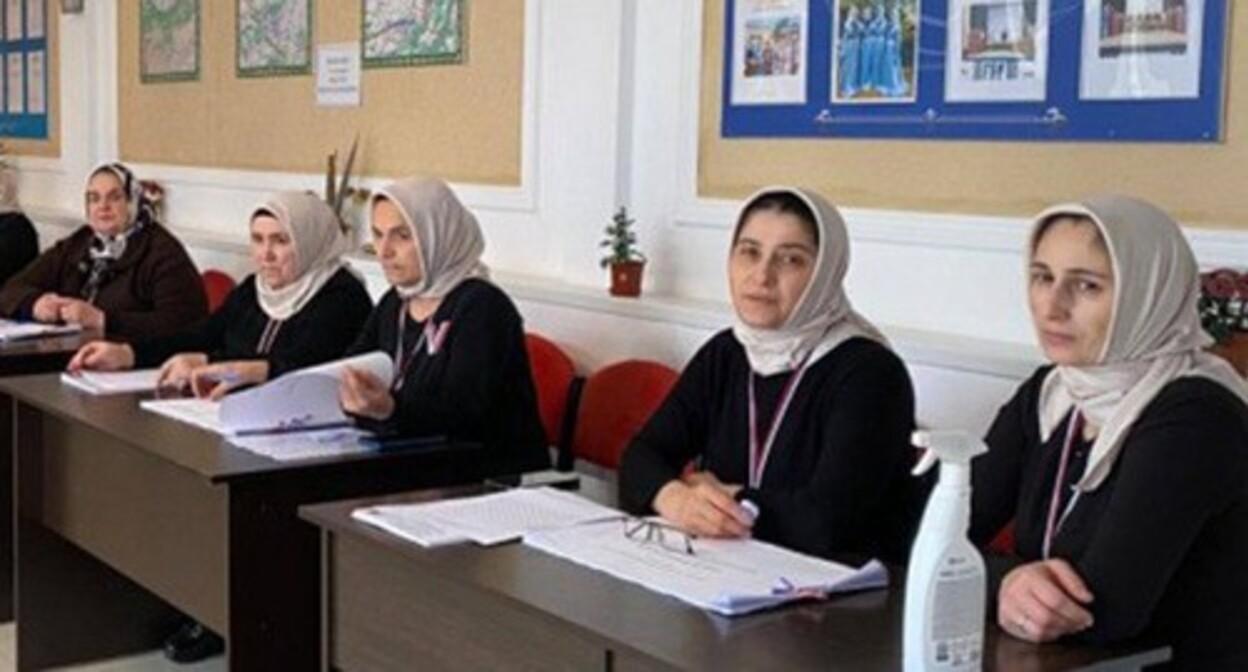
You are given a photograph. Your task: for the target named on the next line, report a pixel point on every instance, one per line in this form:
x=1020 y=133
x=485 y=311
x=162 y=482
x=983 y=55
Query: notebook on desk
x=113 y=382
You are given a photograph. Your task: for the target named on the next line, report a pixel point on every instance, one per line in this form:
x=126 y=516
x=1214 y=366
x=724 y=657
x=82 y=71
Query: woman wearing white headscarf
x=1124 y=464
x=19 y=243
x=798 y=418
x=303 y=306
x=123 y=273
x=461 y=368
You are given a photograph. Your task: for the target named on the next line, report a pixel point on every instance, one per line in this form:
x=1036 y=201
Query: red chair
x=615 y=402
x=217 y=285
x=553 y=374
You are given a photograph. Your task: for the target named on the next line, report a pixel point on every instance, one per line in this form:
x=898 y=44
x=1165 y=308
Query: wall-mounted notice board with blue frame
x=1056 y=70
x=24 y=69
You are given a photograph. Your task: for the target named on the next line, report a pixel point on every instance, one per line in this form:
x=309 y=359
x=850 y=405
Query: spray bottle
x=945 y=582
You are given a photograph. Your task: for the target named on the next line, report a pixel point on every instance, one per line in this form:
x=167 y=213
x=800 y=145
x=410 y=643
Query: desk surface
x=119 y=416
x=861 y=631
x=35 y=355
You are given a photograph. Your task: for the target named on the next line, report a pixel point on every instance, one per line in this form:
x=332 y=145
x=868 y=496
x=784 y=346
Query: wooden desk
x=21 y=358
x=395 y=606
x=121 y=512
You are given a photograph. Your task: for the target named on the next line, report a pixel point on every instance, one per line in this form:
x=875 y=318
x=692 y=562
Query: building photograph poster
x=997 y=50
x=769 y=52
x=1141 y=49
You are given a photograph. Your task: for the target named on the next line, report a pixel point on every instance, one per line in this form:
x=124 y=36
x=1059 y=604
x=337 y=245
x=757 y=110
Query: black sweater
x=320 y=332
x=1163 y=542
x=837 y=480
x=19 y=244
x=477 y=387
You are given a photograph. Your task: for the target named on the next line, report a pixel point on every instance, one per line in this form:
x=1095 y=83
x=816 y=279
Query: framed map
x=168 y=40
x=412 y=32
x=274 y=37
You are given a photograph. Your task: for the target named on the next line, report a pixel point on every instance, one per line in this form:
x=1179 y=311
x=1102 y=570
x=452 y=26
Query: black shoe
x=192 y=643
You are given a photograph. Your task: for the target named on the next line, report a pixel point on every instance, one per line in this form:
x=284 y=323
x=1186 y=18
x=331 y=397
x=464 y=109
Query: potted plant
x=338 y=192
x=624 y=259
x=1224 y=314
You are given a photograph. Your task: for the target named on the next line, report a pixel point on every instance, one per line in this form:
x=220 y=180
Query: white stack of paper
x=11 y=330
x=113 y=382
x=201 y=413
x=304 y=399
x=287 y=446
x=298 y=401
x=727 y=576
x=487 y=519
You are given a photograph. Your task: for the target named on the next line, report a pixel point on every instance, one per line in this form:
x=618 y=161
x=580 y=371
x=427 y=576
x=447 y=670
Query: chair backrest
x=553 y=373
x=217 y=285
x=615 y=402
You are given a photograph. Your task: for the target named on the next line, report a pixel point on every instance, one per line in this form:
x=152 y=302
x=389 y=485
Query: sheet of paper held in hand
x=304 y=399
x=485 y=519
x=727 y=576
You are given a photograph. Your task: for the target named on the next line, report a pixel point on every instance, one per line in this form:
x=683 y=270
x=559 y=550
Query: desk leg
x=7 y=486
x=71 y=607
x=274 y=578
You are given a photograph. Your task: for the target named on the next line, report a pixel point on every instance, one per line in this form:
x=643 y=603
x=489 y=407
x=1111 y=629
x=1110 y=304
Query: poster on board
x=1141 y=49
x=997 y=50
x=769 y=52
x=874 y=51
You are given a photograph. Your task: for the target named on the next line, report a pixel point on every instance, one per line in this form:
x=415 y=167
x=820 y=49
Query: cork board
x=1199 y=184
x=461 y=122
x=50 y=147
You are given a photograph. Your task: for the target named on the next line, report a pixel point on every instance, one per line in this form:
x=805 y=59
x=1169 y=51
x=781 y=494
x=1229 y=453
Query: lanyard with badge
x=1054 y=520
x=403 y=358
x=759 y=453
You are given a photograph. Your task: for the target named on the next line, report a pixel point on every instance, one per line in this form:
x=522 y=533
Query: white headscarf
x=140 y=212
x=823 y=317
x=450 y=239
x=319 y=245
x=1154 y=335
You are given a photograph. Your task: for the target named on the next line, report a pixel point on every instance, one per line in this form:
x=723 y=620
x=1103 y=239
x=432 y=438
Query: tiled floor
x=152 y=662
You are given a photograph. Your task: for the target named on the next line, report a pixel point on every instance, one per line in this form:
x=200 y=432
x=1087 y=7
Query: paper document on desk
x=486 y=519
x=727 y=576
x=113 y=382
x=333 y=442
x=11 y=330
x=307 y=398
x=201 y=413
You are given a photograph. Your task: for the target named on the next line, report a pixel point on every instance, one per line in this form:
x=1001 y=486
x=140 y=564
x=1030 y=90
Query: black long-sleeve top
x=476 y=387
x=837 y=480
x=320 y=332
x=1162 y=544
x=19 y=244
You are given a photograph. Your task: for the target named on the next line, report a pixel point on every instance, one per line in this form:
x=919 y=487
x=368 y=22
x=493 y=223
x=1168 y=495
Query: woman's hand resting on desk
x=47 y=308
x=216 y=380
x=102 y=356
x=700 y=504
x=1042 y=601
x=361 y=393
x=175 y=373
x=77 y=311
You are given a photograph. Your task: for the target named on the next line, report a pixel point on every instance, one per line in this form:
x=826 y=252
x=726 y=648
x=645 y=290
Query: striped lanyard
x=1054 y=522
x=403 y=358
x=759 y=453
x=268 y=336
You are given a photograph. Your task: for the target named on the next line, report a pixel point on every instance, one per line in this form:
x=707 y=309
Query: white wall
x=611 y=96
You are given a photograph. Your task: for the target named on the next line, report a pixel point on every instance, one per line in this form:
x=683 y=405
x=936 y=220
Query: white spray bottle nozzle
x=954 y=446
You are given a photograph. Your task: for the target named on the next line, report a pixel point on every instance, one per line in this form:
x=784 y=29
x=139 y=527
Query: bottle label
x=957 y=631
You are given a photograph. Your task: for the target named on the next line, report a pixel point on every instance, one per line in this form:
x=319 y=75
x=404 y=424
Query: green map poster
x=169 y=40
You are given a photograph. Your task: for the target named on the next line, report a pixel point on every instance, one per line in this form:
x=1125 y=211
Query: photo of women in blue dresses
x=875 y=51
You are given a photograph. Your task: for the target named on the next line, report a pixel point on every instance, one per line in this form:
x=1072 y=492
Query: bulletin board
x=1033 y=70
x=461 y=121
x=24 y=69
